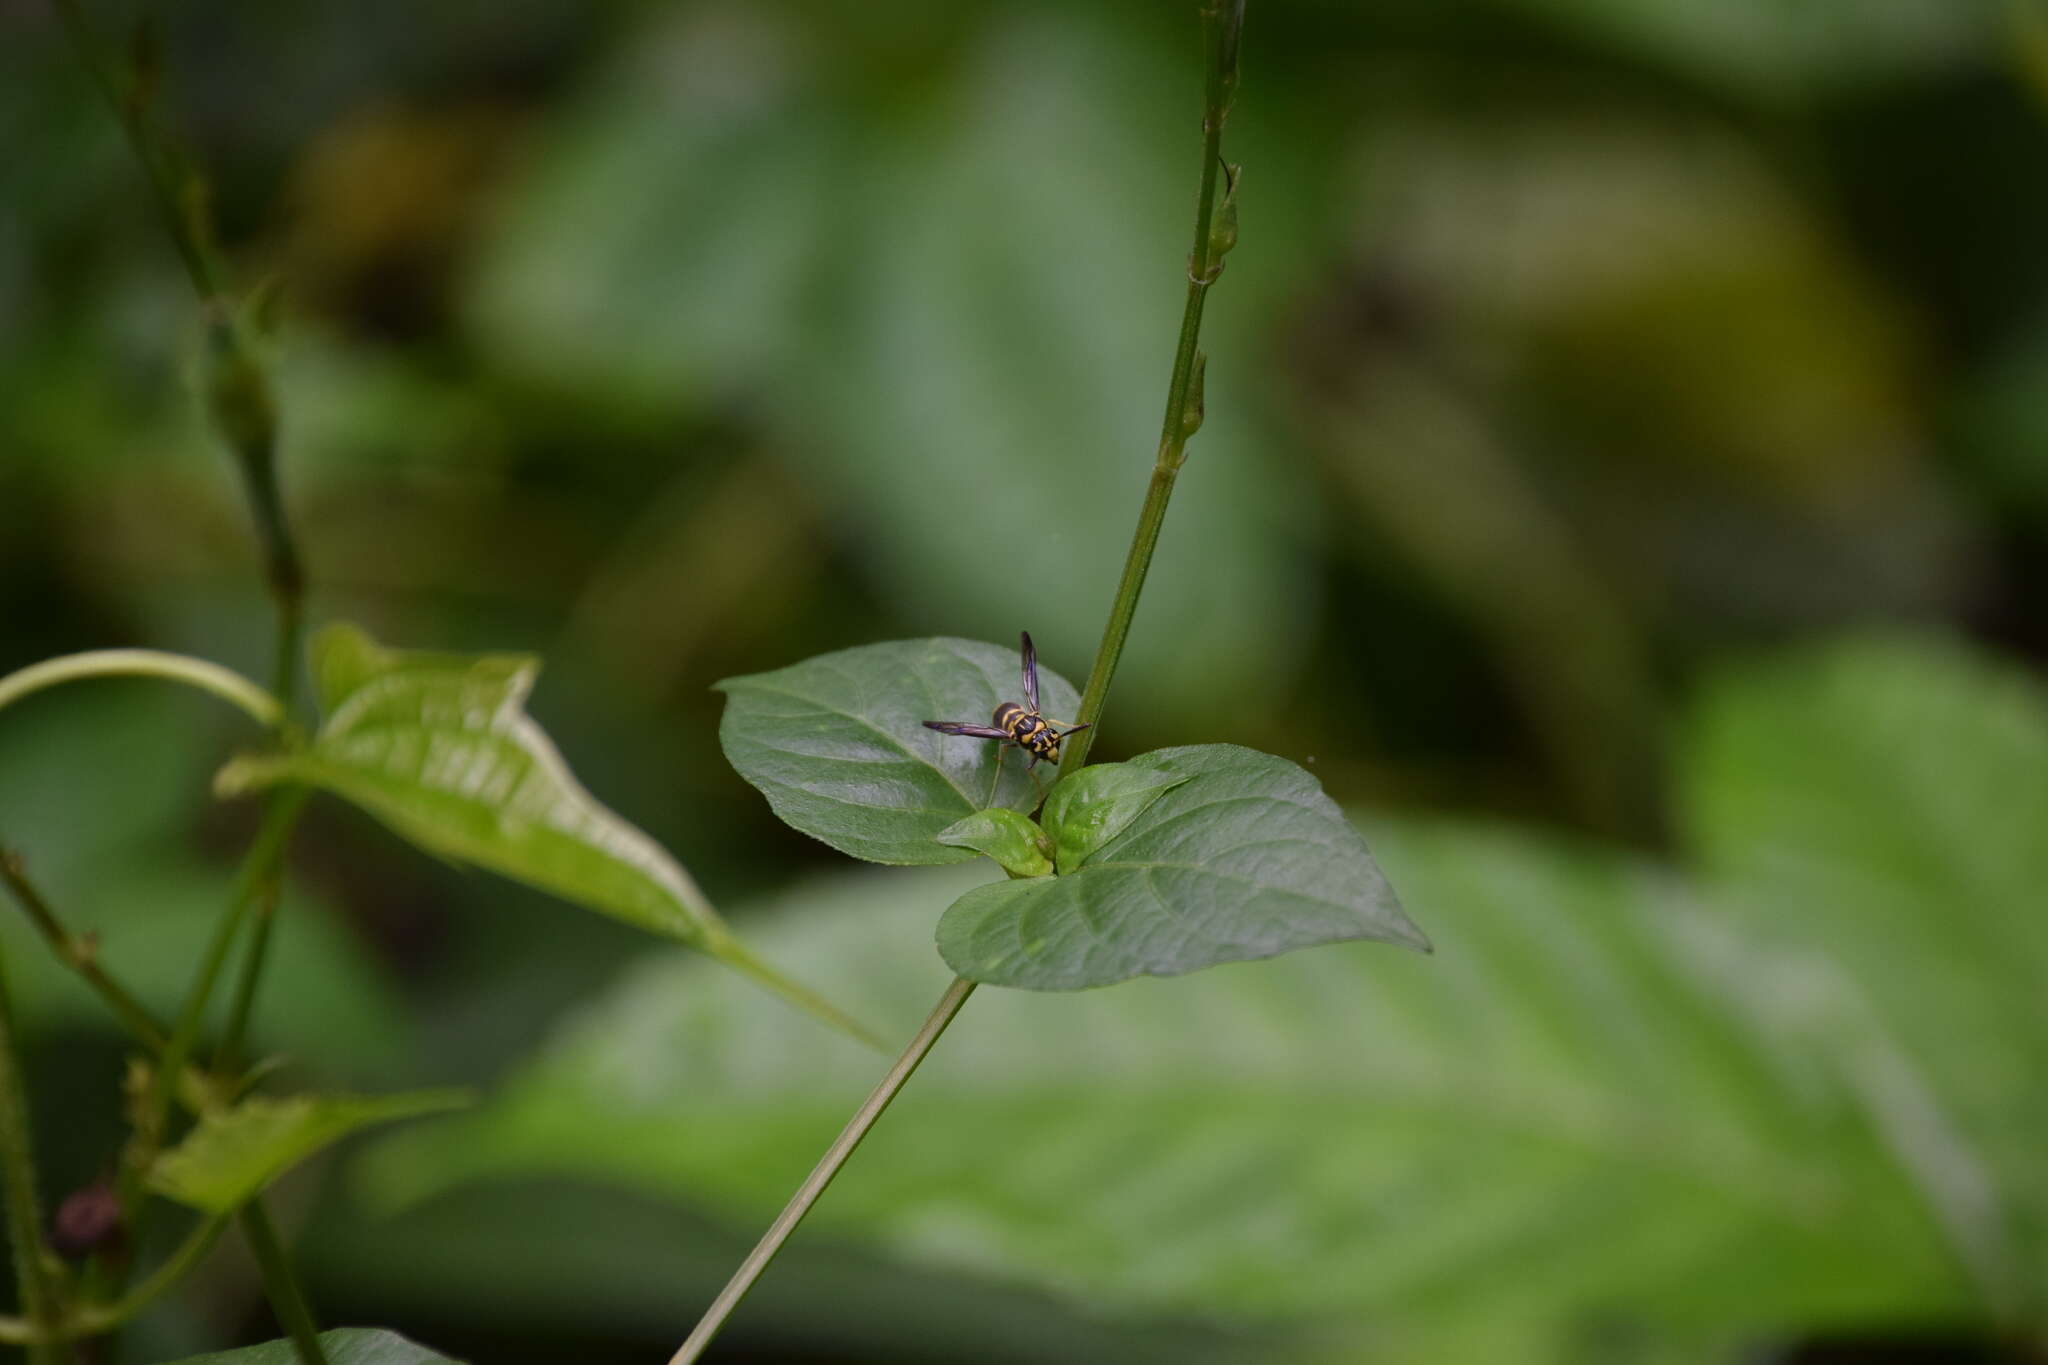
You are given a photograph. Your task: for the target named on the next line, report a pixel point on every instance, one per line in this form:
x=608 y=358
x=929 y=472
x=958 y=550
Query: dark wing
x=1030 y=672
x=958 y=727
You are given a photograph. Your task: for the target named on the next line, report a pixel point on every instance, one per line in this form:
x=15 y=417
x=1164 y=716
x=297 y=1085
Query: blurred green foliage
x=1574 y=352
x=1618 y=1097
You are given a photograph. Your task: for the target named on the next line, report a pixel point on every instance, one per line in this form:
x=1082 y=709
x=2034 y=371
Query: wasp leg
x=1036 y=780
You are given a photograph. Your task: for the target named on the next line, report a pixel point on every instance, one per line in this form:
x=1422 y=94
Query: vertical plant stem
x=243 y=410
x=258 y=867
x=175 y=191
x=18 y=1175
x=822 y=1174
x=286 y=1298
x=1222 y=21
x=239 y=399
x=79 y=954
x=227 y=1059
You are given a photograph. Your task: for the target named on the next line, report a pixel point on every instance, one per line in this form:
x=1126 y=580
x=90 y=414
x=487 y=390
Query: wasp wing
x=1030 y=672
x=959 y=727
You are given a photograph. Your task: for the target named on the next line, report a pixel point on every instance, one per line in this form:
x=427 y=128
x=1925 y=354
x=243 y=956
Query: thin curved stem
x=93 y=1320
x=822 y=1174
x=230 y=686
x=736 y=955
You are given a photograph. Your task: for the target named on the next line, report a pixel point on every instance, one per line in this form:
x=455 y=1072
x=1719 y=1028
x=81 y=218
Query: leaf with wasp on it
x=838 y=746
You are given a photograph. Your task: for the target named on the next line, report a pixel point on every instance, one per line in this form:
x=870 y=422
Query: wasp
x=1018 y=725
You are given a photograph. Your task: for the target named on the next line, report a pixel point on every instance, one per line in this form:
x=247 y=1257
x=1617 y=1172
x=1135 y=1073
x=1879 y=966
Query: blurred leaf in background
x=1665 y=1109
x=953 y=310
x=1884 y=805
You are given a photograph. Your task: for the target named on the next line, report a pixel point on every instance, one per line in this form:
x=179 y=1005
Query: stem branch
x=259 y=867
x=18 y=1174
x=80 y=954
x=822 y=1174
x=287 y=1300
x=92 y=1321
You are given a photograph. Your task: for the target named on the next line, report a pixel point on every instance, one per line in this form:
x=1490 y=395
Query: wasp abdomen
x=1028 y=730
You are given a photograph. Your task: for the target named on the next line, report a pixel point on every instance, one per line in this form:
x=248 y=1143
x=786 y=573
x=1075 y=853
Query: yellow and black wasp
x=1018 y=725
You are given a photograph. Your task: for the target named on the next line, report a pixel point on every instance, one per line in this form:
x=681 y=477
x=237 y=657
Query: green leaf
x=1018 y=846
x=1241 y=857
x=1089 y=808
x=440 y=748
x=838 y=746
x=1884 y=803
x=232 y=1155
x=1570 y=1117
x=343 y=1346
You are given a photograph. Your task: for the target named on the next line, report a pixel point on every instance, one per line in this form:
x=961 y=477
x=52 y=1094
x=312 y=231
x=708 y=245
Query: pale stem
x=822 y=1174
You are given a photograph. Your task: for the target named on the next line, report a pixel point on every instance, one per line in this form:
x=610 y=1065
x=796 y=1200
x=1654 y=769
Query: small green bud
x=1093 y=806
x=238 y=396
x=1018 y=846
x=1191 y=412
x=1223 y=231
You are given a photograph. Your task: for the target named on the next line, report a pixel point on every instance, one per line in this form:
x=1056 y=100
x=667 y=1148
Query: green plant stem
x=79 y=954
x=225 y=683
x=227 y=1058
x=258 y=867
x=822 y=1174
x=92 y=1320
x=240 y=399
x=736 y=955
x=175 y=193
x=287 y=1300
x=18 y=1175
x=1221 y=23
